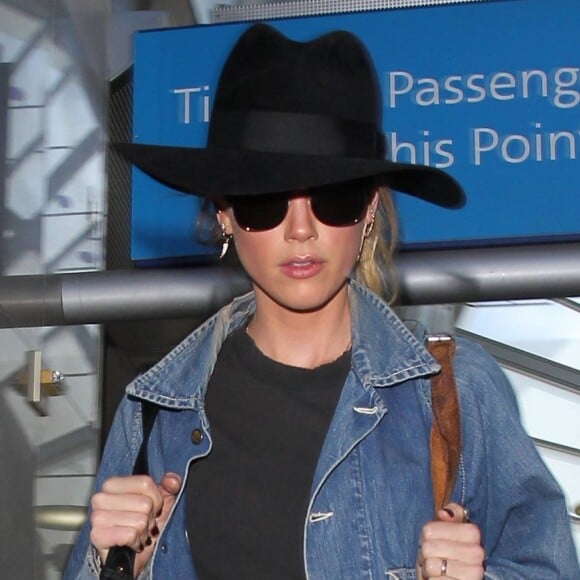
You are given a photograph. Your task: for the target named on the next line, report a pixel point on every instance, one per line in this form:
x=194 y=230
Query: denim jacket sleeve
x=511 y=495
x=118 y=459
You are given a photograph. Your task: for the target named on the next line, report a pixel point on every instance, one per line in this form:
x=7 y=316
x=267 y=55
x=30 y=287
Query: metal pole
x=150 y=294
x=97 y=297
x=480 y=274
x=425 y=277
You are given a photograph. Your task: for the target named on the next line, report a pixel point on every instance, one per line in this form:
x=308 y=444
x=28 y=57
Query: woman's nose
x=300 y=223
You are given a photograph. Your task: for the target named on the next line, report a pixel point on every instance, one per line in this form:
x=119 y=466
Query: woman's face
x=301 y=265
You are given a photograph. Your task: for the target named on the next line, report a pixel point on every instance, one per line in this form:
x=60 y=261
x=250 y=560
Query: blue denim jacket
x=371 y=492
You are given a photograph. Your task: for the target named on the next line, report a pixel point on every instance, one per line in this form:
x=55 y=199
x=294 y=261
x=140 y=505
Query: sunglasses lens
x=339 y=205
x=258 y=213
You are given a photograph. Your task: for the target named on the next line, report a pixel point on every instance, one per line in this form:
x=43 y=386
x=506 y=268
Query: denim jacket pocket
x=401 y=574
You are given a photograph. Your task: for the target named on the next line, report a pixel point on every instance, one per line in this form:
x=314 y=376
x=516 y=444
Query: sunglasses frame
x=325 y=203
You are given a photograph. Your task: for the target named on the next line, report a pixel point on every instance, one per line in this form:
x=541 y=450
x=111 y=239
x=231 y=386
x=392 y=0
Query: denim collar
x=384 y=351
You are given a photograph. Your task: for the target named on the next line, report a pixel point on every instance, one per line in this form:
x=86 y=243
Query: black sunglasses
x=338 y=205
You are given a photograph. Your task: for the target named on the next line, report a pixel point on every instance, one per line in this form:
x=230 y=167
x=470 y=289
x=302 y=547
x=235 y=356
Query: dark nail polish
x=149 y=541
x=449 y=511
x=155 y=531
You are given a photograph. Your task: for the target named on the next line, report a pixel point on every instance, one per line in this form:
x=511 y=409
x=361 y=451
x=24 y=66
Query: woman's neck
x=302 y=339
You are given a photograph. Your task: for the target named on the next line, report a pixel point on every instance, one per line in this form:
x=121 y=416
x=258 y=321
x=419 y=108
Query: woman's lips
x=301 y=267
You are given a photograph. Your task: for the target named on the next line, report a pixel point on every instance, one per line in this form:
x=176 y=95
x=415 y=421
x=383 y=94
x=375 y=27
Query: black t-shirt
x=247 y=500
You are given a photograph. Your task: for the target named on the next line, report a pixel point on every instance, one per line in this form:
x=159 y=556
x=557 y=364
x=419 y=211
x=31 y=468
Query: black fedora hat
x=291 y=115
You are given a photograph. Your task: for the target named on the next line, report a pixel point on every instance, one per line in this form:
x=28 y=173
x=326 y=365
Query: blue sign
x=487 y=91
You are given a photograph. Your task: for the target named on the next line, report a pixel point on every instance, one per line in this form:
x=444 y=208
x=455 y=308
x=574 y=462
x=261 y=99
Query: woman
x=292 y=435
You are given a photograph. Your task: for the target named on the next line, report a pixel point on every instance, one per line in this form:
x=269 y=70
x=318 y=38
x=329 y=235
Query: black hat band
x=292 y=133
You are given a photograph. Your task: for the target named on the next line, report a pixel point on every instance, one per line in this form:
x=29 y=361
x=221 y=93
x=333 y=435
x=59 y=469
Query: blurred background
x=65 y=90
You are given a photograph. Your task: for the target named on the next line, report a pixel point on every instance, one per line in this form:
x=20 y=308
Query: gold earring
x=369 y=226
x=366 y=232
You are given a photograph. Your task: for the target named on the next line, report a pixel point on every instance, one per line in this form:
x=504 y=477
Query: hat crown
x=326 y=89
x=330 y=75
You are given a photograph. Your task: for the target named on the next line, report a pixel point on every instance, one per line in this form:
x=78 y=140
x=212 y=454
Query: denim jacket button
x=196 y=436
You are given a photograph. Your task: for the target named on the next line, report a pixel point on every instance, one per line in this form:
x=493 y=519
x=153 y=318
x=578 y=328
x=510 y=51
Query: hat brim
x=216 y=173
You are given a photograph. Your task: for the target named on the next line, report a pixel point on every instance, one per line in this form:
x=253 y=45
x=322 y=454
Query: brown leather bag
x=445 y=441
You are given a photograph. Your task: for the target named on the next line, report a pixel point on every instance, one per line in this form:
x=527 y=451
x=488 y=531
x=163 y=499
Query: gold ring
x=443 y=567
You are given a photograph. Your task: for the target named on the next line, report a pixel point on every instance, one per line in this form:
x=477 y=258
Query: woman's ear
x=370 y=215
x=372 y=209
x=374 y=204
x=225 y=221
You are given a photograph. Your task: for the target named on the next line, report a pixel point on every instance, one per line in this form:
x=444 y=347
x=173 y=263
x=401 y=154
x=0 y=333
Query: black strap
x=121 y=559
x=148 y=414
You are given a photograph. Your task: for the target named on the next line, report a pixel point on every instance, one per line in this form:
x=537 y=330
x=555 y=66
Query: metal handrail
x=566 y=449
x=425 y=277
x=567 y=303
x=527 y=363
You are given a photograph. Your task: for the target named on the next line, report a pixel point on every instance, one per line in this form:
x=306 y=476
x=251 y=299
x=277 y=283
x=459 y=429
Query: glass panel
x=52 y=208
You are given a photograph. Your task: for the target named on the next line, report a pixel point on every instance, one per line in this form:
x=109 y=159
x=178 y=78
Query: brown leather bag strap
x=445 y=442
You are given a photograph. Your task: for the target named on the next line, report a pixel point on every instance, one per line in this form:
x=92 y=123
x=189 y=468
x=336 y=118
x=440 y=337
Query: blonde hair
x=375 y=268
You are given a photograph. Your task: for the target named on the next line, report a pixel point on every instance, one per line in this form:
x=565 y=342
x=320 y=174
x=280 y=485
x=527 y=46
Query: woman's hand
x=132 y=511
x=450 y=547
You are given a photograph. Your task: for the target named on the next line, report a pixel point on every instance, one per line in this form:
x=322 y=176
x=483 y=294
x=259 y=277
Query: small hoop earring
x=369 y=227
x=366 y=232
